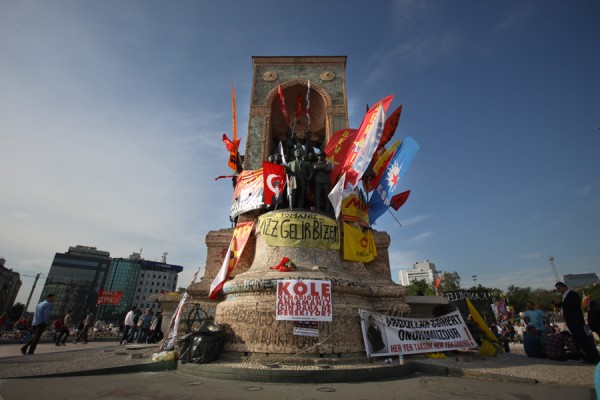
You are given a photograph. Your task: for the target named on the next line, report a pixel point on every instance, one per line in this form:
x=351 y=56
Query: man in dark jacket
x=571 y=306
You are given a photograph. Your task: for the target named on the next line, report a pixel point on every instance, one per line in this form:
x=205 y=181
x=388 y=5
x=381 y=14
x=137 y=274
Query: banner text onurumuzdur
x=299 y=229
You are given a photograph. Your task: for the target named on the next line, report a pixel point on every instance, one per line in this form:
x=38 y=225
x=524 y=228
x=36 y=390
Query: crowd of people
x=541 y=339
x=137 y=327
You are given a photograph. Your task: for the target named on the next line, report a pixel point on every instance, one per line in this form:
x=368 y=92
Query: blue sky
x=111 y=115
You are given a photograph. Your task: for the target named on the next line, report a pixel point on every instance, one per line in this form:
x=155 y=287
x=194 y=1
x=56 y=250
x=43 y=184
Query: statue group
x=308 y=178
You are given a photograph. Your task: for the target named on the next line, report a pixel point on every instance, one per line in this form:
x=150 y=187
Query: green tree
x=419 y=287
x=518 y=297
x=449 y=281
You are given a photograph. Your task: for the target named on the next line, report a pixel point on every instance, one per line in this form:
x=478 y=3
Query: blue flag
x=382 y=195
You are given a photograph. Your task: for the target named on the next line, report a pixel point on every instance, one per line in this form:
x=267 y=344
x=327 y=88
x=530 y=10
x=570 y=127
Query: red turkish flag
x=274 y=182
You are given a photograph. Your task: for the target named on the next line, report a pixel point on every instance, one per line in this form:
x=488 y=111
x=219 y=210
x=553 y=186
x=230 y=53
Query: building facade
x=75 y=278
x=10 y=283
x=420 y=270
x=122 y=277
x=155 y=278
x=580 y=280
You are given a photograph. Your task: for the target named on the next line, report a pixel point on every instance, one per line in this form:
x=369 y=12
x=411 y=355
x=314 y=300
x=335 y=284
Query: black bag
x=202 y=345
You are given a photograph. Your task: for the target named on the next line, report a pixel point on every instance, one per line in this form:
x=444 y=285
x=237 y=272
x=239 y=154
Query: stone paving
x=109 y=357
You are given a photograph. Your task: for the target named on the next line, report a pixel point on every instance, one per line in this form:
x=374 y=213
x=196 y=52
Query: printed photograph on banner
x=401 y=335
x=303 y=300
x=375 y=339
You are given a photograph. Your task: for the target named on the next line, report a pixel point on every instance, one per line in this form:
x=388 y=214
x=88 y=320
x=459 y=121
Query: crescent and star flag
x=274 y=179
x=283 y=107
x=369 y=134
x=308 y=105
x=382 y=196
x=236 y=247
x=398 y=200
x=381 y=164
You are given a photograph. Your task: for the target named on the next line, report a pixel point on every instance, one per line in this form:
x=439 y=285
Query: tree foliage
x=449 y=281
x=420 y=287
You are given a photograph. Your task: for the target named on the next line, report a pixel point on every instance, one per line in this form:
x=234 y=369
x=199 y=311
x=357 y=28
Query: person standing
x=41 y=318
x=571 y=307
x=156 y=329
x=64 y=334
x=536 y=318
x=128 y=325
x=144 y=323
x=87 y=324
x=593 y=318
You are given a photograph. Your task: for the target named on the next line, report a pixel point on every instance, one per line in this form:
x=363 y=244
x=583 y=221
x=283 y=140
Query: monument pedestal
x=247 y=306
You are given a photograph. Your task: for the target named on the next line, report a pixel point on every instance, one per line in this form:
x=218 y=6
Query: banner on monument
x=303 y=300
x=354 y=209
x=306 y=328
x=298 y=229
x=109 y=297
x=248 y=193
x=236 y=247
x=358 y=245
x=385 y=335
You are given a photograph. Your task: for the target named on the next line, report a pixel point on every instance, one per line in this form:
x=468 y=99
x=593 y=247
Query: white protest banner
x=303 y=300
x=388 y=336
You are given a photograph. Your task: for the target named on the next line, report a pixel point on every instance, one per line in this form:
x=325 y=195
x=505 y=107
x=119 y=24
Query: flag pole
x=394 y=217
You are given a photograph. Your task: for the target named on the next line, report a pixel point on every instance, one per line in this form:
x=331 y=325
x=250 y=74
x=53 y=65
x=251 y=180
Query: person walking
x=144 y=323
x=571 y=307
x=41 y=318
x=87 y=324
x=64 y=333
x=128 y=326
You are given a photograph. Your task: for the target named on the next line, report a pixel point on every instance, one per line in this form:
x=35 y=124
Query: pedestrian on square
x=41 y=318
x=65 y=331
x=128 y=326
x=156 y=328
x=144 y=323
x=581 y=335
x=532 y=344
x=559 y=347
x=87 y=324
x=536 y=318
x=593 y=318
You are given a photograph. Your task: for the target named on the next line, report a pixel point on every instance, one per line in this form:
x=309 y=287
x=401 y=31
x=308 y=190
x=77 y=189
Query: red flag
x=233 y=151
x=337 y=149
x=233 y=113
x=236 y=247
x=366 y=142
x=391 y=124
x=298 y=106
x=437 y=281
x=283 y=107
x=399 y=199
x=308 y=105
x=274 y=182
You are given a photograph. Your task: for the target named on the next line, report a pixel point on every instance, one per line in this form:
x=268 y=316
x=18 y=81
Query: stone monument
x=246 y=305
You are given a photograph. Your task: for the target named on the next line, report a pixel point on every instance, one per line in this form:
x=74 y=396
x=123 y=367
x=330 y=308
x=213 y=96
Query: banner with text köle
x=385 y=335
x=109 y=297
x=303 y=300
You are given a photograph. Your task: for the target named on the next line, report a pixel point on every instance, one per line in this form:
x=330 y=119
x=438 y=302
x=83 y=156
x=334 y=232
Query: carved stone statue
x=298 y=173
x=322 y=183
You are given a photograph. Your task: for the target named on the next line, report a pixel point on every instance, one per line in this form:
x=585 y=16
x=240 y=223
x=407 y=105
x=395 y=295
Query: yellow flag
x=358 y=245
x=491 y=345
